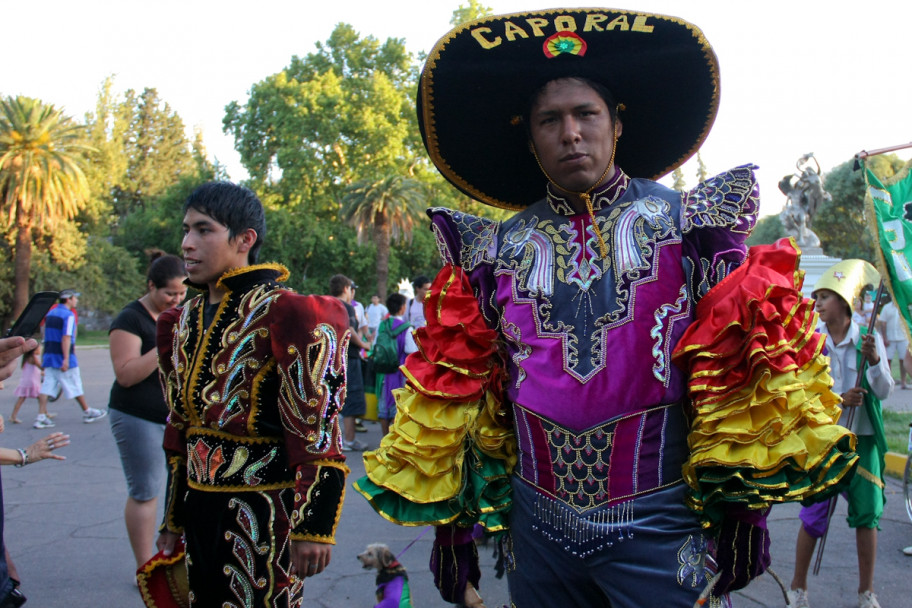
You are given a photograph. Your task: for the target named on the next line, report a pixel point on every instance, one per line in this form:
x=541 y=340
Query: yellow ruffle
x=422 y=456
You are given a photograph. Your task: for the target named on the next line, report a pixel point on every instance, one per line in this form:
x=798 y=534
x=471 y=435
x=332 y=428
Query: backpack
x=385 y=353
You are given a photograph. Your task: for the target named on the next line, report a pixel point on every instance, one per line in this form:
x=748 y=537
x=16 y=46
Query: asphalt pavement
x=65 y=530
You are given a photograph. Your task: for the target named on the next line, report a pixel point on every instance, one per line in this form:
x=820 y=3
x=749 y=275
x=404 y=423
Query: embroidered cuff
x=319 y=492
x=174 y=500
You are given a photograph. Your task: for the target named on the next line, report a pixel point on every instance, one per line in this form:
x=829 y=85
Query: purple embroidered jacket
x=588 y=339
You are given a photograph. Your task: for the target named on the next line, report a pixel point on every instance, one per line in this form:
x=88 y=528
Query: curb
x=895 y=464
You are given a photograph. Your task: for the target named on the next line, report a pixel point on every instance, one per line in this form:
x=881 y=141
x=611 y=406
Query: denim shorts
x=141 y=454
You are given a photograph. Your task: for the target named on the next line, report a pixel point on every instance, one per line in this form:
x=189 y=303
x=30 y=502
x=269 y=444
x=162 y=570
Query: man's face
x=375 y=300
x=829 y=305
x=71 y=302
x=573 y=134
x=347 y=294
x=208 y=250
x=421 y=292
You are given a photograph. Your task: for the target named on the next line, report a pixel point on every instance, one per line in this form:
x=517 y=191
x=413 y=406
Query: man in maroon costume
x=255 y=376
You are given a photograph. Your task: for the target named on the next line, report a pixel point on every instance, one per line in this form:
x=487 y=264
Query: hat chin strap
x=586 y=196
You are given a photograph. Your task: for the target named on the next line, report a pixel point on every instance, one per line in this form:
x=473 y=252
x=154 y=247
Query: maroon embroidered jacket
x=254 y=398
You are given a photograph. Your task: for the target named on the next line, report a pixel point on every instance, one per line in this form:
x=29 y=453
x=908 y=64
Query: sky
x=796 y=76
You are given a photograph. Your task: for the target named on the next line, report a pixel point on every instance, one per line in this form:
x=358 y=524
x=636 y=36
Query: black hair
x=420 y=281
x=338 y=283
x=163 y=268
x=600 y=89
x=395 y=302
x=233 y=206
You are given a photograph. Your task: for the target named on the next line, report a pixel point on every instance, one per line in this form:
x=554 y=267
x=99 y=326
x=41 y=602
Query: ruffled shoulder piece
x=729 y=200
x=449 y=454
x=464 y=240
x=764 y=415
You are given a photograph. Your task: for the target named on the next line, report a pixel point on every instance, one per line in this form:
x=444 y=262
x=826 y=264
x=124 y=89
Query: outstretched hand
x=44 y=448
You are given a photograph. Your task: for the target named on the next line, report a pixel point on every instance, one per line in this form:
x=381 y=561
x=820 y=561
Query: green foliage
x=466 y=13
x=394 y=201
x=41 y=162
x=340 y=114
x=157 y=225
x=143 y=151
x=42 y=181
x=840 y=222
x=387 y=208
x=768 y=230
x=108 y=277
x=896 y=429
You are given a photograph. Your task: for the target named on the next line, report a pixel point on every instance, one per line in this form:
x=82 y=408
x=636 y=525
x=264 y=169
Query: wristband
x=24 y=455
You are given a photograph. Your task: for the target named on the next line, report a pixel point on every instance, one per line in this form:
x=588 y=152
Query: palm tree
x=388 y=209
x=41 y=176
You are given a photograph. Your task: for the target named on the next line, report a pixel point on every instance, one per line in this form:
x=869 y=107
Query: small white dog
x=392 y=580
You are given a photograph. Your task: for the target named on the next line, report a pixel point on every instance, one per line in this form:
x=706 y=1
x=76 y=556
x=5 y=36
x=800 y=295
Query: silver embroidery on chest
x=535 y=253
x=632 y=244
x=557 y=259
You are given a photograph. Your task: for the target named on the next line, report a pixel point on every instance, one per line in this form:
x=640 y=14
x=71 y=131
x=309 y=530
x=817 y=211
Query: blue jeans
x=645 y=552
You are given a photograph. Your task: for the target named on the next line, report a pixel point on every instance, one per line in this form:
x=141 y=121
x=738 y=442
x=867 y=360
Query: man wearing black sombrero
x=543 y=400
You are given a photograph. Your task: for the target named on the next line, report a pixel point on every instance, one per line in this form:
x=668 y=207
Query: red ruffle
x=455 y=339
x=755 y=316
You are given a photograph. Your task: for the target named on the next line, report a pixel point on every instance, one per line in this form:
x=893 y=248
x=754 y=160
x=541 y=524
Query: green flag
x=889 y=207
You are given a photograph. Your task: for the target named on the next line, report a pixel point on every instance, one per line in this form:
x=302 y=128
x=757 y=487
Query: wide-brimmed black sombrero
x=480 y=77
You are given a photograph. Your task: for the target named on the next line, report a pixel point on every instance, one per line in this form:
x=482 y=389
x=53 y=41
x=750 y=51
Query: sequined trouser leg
x=238 y=549
x=648 y=552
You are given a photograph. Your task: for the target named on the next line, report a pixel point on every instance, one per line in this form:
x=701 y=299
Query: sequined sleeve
x=718 y=216
x=309 y=337
x=174 y=441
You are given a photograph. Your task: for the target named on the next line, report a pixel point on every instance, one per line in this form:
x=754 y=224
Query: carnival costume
x=253 y=440
x=544 y=400
x=865 y=494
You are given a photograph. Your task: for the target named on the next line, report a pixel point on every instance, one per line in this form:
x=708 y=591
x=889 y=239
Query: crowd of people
x=579 y=393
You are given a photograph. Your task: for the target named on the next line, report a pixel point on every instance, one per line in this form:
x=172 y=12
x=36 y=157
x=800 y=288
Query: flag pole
x=831 y=506
x=866 y=154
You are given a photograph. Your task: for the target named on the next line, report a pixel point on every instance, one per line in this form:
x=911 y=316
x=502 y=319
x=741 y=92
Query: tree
x=466 y=13
x=341 y=114
x=143 y=150
x=388 y=209
x=840 y=222
x=41 y=176
x=768 y=230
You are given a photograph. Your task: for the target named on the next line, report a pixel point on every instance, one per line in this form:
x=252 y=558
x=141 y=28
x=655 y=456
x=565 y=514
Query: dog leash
x=409 y=546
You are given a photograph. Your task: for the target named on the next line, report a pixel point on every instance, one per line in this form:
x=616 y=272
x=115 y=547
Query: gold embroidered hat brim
x=481 y=75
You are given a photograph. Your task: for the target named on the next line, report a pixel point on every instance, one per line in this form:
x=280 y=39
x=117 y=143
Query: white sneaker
x=868 y=600
x=43 y=422
x=798 y=598
x=91 y=415
x=908 y=550
x=353 y=446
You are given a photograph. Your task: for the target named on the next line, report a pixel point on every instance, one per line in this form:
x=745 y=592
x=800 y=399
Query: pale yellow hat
x=848 y=278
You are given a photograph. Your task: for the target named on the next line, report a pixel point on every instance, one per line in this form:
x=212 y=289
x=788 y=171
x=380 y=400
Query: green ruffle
x=720 y=486
x=485 y=499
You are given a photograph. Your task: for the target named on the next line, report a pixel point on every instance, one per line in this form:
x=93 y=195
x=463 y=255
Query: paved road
x=64 y=528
